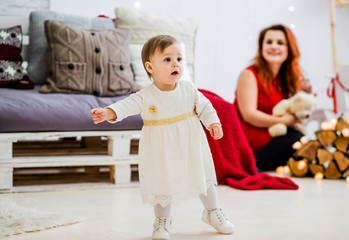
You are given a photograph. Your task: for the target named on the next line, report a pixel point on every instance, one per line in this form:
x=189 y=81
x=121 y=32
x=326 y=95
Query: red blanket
x=233 y=158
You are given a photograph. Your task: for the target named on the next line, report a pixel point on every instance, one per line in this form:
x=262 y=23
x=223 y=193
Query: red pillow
x=12 y=74
x=11 y=43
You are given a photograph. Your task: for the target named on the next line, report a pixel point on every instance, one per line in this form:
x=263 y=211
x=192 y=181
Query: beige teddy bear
x=300 y=105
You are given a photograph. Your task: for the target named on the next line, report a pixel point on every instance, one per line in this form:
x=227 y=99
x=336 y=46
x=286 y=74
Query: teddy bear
x=301 y=105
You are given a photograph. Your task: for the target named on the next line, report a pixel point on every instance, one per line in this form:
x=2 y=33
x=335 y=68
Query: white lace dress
x=174 y=156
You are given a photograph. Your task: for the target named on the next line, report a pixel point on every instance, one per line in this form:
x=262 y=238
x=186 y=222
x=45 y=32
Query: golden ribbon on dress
x=167 y=121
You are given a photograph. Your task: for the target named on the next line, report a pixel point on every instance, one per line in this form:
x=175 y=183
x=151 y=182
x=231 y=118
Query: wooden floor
x=317 y=211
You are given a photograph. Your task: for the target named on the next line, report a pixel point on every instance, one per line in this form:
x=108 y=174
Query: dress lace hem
x=165 y=199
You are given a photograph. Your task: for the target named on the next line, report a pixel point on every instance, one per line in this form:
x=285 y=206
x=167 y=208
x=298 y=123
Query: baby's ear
x=148 y=67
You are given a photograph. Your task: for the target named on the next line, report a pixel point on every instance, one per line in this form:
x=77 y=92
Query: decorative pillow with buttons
x=88 y=61
x=12 y=74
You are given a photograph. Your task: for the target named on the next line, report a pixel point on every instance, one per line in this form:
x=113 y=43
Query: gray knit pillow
x=88 y=61
x=37 y=40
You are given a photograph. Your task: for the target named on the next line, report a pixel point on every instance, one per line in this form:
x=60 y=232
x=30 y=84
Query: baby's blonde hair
x=157 y=42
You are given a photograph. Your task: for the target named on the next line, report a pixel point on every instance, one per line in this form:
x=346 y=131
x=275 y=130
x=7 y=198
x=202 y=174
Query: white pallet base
x=69 y=186
x=118 y=159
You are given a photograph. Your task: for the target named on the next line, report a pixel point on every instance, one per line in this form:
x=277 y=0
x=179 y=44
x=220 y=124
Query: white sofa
x=118 y=157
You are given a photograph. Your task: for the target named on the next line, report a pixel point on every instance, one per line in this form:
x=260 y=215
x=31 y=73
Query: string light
x=287 y=170
x=333 y=123
x=291 y=9
x=137 y=4
x=283 y=170
x=280 y=170
x=325 y=126
x=319 y=176
x=297 y=145
x=304 y=140
x=345 y=132
x=301 y=165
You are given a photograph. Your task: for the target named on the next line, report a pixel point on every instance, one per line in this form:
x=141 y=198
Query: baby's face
x=166 y=67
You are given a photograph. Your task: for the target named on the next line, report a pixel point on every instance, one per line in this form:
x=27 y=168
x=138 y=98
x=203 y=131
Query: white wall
x=228 y=30
x=22 y=7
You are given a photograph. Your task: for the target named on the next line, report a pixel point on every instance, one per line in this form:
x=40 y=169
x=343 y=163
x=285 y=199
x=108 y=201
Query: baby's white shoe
x=162 y=228
x=218 y=220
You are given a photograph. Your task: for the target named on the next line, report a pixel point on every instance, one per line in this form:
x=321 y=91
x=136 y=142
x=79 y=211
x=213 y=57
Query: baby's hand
x=216 y=131
x=98 y=115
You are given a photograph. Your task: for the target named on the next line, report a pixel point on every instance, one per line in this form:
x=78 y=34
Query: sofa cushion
x=31 y=111
x=38 y=44
x=11 y=43
x=88 y=61
x=139 y=72
x=145 y=25
x=12 y=74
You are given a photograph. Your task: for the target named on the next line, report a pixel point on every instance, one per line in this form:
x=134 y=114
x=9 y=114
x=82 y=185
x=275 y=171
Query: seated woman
x=275 y=75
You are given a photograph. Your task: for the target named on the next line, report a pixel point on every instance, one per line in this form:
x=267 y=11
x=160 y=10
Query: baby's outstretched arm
x=101 y=114
x=216 y=131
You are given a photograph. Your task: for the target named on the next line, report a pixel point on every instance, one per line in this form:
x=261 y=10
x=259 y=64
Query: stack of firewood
x=325 y=157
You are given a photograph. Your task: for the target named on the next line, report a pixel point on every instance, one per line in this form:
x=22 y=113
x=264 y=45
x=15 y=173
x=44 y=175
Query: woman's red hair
x=290 y=72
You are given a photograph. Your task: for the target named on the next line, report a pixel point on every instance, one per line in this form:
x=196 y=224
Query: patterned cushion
x=37 y=61
x=145 y=25
x=88 y=61
x=11 y=43
x=12 y=73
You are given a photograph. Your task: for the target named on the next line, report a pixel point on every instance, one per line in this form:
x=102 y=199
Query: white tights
x=210 y=202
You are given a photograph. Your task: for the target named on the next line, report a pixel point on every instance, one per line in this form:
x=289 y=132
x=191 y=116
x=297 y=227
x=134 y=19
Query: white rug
x=15 y=219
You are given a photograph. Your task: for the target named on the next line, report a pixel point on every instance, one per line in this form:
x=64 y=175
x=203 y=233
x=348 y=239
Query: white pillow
x=145 y=25
x=139 y=72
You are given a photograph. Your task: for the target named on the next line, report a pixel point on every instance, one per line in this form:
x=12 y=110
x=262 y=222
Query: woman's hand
x=216 y=131
x=289 y=120
x=305 y=86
